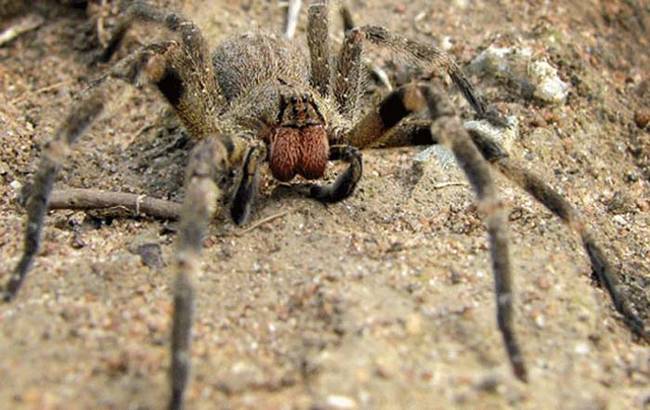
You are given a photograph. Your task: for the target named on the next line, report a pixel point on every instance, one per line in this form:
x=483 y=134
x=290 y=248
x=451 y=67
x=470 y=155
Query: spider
x=255 y=99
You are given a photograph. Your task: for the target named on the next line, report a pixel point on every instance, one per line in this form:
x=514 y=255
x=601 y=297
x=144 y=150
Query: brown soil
x=382 y=301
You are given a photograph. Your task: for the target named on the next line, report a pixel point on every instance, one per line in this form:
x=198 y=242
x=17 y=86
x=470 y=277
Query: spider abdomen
x=245 y=61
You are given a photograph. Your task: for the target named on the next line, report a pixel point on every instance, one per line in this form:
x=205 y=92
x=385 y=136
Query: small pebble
x=582 y=348
x=341 y=402
x=619 y=220
x=4 y=168
x=642 y=117
x=548 y=85
x=537 y=120
x=151 y=255
x=543 y=282
x=489 y=383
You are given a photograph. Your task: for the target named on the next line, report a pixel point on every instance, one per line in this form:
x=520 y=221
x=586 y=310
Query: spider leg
x=377 y=123
x=417 y=132
x=85 y=112
x=431 y=56
x=318 y=42
x=408 y=133
x=397 y=105
x=247 y=187
x=189 y=33
x=208 y=163
x=477 y=170
x=345 y=183
x=348 y=76
x=53 y=157
x=129 y=68
x=411 y=98
x=375 y=70
x=347 y=83
x=555 y=203
x=79 y=118
x=183 y=72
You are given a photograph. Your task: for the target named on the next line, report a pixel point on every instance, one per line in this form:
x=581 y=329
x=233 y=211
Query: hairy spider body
x=266 y=81
x=265 y=84
x=256 y=98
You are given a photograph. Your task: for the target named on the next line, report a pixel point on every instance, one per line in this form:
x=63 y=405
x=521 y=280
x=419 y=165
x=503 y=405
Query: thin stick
x=448 y=184
x=262 y=222
x=25 y=24
x=293 y=11
x=95 y=199
x=45 y=89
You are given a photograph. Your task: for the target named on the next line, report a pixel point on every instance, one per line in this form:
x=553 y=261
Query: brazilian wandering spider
x=255 y=89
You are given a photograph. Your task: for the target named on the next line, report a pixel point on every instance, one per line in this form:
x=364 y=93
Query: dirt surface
x=382 y=301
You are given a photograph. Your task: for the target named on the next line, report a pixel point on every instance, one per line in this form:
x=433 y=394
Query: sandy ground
x=383 y=301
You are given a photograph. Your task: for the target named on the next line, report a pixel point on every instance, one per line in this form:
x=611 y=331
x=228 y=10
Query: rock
x=151 y=255
x=501 y=60
x=581 y=348
x=619 y=220
x=548 y=85
x=4 y=168
x=147 y=246
x=504 y=136
x=442 y=155
x=340 y=402
x=642 y=117
x=536 y=78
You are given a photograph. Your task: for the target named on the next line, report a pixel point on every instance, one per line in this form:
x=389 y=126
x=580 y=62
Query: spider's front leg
x=380 y=122
x=53 y=158
x=208 y=172
x=420 y=133
x=477 y=171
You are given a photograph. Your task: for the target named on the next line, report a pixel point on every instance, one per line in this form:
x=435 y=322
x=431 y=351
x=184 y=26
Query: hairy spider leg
x=208 y=163
x=53 y=157
x=318 y=43
x=411 y=98
x=477 y=171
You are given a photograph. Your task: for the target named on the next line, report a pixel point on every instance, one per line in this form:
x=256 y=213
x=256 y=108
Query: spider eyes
x=302 y=97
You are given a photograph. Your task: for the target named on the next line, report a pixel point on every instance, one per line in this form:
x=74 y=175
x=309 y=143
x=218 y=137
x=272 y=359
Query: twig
x=45 y=89
x=291 y=21
x=448 y=184
x=95 y=199
x=262 y=222
x=24 y=25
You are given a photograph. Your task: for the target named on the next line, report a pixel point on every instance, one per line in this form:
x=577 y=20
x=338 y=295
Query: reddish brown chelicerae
x=302 y=151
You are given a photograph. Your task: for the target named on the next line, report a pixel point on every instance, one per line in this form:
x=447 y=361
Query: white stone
x=341 y=402
x=16 y=185
x=548 y=85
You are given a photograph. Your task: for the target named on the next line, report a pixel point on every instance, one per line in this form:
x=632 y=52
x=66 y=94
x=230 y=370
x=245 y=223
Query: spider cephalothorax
x=266 y=79
x=260 y=88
